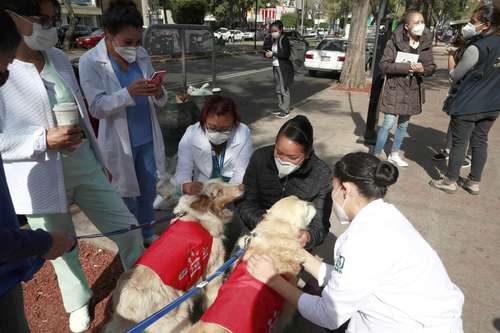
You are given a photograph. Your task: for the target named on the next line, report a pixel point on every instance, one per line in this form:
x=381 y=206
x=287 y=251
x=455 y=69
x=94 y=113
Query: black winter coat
x=311 y=182
x=283 y=55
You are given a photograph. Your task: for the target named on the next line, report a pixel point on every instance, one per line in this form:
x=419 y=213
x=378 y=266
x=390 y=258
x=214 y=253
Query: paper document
x=405 y=57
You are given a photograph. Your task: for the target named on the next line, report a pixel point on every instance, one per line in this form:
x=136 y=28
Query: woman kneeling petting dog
x=386 y=277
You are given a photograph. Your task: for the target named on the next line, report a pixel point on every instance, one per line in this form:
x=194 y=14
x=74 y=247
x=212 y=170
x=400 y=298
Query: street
x=248 y=79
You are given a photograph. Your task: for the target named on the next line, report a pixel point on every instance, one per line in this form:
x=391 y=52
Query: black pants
x=463 y=132
x=12 y=317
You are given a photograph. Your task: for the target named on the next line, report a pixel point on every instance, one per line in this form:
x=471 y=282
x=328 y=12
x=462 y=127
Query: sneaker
x=444 y=185
x=395 y=159
x=150 y=240
x=282 y=115
x=469 y=185
x=276 y=112
x=467 y=162
x=79 y=320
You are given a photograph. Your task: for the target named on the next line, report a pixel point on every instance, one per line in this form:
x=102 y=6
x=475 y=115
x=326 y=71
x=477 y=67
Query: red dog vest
x=180 y=256
x=244 y=304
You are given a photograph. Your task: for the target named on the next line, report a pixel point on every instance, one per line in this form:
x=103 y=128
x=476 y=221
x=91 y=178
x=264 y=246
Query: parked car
x=329 y=56
x=80 y=31
x=91 y=40
x=235 y=35
x=222 y=33
x=248 y=35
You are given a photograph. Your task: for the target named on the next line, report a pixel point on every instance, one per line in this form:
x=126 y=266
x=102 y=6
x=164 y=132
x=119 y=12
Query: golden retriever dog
x=189 y=250
x=244 y=304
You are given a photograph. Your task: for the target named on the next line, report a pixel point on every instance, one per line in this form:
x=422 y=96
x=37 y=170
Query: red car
x=91 y=40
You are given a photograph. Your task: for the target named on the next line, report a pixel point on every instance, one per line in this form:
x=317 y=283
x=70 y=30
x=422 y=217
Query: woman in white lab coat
x=218 y=146
x=386 y=277
x=115 y=79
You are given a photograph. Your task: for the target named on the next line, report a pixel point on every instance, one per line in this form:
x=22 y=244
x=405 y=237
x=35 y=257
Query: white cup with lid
x=66 y=114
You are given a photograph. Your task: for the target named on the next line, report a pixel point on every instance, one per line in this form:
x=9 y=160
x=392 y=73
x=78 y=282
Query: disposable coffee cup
x=66 y=114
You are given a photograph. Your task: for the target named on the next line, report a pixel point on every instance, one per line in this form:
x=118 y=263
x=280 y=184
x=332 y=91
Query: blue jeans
x=383 y=132
x=145 y=170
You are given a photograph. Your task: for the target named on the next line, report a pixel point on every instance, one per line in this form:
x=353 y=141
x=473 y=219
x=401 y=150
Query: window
x=333 y=45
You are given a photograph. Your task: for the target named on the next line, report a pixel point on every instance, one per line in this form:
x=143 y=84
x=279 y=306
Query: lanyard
x=218 y=162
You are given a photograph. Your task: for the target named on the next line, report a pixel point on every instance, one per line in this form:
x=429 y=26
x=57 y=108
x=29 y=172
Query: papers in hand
x=405 y=57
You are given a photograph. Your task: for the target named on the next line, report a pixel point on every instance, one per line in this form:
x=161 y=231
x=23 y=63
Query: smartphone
x=157 y=77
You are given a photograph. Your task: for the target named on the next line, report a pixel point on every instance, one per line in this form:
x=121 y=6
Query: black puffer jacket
x=283 y=55
x=263 y=188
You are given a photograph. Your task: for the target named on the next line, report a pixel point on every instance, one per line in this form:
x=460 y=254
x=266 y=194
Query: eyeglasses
x=47 y=22
x=219 y=130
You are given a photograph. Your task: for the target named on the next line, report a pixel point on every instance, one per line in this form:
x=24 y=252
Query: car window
x=97 y=32
x=332 y=45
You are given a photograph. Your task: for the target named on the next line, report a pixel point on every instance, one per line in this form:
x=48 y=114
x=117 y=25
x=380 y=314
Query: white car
x=223 y=33
x=235 y=35
x=329 y=56
x=247 y=35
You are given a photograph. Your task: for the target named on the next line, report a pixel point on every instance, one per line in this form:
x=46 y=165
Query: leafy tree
x=289 y=19
x=353 y=72
x=189 y=11
x=324 y=25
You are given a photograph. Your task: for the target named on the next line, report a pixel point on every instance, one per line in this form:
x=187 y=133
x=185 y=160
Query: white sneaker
x=395 y=159
x=79 y=320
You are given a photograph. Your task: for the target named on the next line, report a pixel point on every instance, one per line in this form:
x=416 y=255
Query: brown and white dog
x=189 y=250
x=244 y=304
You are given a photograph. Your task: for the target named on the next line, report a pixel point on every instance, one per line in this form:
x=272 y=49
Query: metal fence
x=181 y=49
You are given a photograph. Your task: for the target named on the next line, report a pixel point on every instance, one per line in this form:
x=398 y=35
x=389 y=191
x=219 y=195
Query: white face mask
x=276 y=34
x=418 y=30
x=339 y=210
x=469 y=31
x=217 y=138
x=285 y=168
x=41 y=39
x=128 y=53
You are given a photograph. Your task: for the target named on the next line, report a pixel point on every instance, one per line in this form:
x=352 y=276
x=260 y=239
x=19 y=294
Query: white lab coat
x=108 y=102
x=35 y=174
x=195 y=155
x=386 y=279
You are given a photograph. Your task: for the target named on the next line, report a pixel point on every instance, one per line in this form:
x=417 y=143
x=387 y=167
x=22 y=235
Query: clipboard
x=405 y=57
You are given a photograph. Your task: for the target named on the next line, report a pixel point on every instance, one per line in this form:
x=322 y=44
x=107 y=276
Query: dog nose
x=241 y=187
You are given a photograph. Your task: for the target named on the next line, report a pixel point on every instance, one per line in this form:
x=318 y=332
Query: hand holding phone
x=157 y=77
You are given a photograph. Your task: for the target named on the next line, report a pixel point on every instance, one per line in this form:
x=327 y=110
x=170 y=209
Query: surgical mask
x=418 y=30
x=276 y=34
x=339 y=210
x=469 y=31
x=217 y=138
x=285 y=168
x=41 y=39
x=3 y=77
x=128 y=53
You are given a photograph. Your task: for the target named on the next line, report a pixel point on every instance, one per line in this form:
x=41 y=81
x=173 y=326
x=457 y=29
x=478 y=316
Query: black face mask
x=3 y=77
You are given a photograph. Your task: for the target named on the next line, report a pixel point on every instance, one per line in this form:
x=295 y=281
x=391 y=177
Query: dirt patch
x=43 y=303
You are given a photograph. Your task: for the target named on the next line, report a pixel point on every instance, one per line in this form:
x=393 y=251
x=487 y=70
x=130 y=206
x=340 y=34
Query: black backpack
x=298 y=50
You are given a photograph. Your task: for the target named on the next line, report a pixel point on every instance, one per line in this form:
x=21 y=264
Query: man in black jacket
x=310 y=179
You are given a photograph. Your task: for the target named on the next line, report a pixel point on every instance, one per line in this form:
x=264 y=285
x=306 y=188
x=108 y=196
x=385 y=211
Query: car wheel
x=312 y=73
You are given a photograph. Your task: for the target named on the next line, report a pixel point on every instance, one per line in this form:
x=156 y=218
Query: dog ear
x=202 y=204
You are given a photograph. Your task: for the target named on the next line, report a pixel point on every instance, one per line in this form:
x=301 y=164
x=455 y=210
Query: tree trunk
x=353 y=72
x=413 y=5
x=71 y=25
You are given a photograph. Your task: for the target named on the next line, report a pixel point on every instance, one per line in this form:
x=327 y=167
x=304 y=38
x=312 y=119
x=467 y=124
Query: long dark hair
x=371 y=176
x=9 y=36
x=300 y=131
x=28 y=7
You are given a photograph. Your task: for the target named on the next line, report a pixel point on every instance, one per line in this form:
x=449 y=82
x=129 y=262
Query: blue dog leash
x=133 y=227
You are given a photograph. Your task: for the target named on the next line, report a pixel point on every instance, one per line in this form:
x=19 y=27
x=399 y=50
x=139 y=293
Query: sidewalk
x=463 y=229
